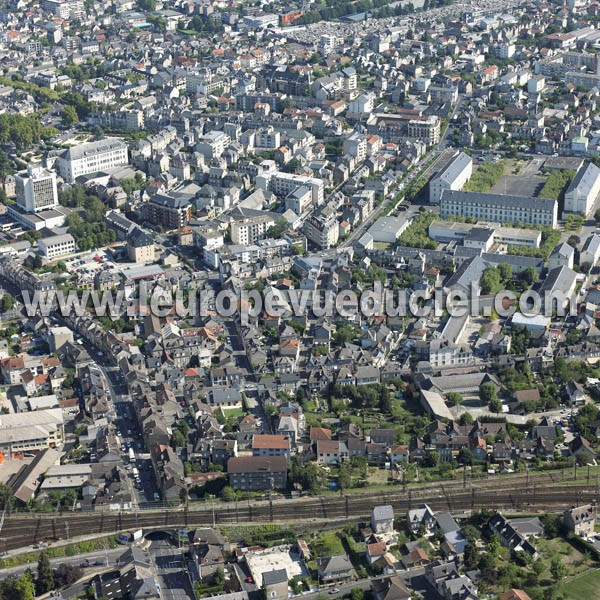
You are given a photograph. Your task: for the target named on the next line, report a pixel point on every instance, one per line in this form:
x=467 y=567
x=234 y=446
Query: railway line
x=21 y=530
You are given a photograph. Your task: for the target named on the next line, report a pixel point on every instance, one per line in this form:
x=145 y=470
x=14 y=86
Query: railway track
x=22 y=530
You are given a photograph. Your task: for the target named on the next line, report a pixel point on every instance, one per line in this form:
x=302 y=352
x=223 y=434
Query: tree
x=178 y=440
x=228 y=493
x=7 y=500
x=24 y=588
x=454 y=398
x=69 y=116
x=6 y=303
x=528 y=276
x=505 y=271
x=219 y=577
x=357 y=594
x=472 y=556
x=344 y=477
x=359 y=463
x=45 y=579
x=6 y=165
x=465 y=456
x=494 y=545
x=495 y=405
x=66 y=575
x=487 y=392
x=431 y=459
x=558 y=570
x=465 y=419
x=491 y=282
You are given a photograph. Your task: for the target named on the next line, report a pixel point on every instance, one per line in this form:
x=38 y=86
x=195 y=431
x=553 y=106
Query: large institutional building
x=499 y=208
x=92 y=157
x=30 y=432
x=452 y=177
x=583 y=190
x=36 y=189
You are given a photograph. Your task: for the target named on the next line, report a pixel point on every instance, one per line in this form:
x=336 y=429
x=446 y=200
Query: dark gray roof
x=91 y=148
x=383 y=513
x=500 y=200
x=274 y=577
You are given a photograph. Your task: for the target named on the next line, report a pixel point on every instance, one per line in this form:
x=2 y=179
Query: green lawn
x=229 y=413
x=585 y=587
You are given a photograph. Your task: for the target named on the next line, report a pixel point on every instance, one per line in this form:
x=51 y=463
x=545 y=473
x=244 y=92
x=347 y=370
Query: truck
x=131 y=454
x=135 y=472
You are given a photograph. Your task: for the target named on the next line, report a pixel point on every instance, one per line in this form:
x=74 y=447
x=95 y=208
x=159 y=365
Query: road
x=102 y=558
x=344 y=589
x=168 y=565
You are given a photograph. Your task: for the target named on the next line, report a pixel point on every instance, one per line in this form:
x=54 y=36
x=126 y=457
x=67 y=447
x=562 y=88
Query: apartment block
x=282 y=184
x=322 y=230
x=257 y=473
x=248 y=231
x=426 y=130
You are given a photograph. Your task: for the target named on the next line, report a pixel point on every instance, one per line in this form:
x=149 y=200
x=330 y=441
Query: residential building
x=282 y=184
x=257 y=473
x=382 y=519
x=334 y=568
x=590 y=253
x=562 y=255
x=426 y=130
x=270 y=445
x=140 y=246
x=581 y=520
x=213 y=144
x=356 y=145
x=250 y=230
x=275 y=584
x=171 y=213
x=322 y=230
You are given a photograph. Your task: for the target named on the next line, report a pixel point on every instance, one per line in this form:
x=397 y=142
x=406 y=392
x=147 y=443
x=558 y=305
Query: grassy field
x=585 y=587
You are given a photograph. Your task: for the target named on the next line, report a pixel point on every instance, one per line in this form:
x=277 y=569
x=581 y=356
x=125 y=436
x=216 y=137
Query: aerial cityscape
x=299 y=300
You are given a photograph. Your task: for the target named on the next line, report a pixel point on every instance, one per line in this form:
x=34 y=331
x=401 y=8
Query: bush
x=485 y=177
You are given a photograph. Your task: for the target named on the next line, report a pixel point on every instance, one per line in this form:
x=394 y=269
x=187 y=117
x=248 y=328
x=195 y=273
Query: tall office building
x=36 y=189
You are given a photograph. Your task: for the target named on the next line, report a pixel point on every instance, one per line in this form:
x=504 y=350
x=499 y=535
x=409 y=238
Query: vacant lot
x=585 y=587
x=519 y=186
